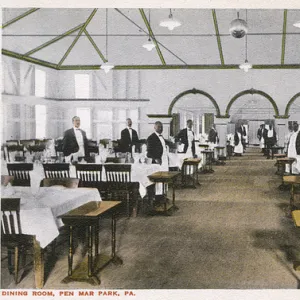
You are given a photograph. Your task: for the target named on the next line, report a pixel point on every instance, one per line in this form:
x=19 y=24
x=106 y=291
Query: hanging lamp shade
x=107 y=67
x=149 y=45
x=170 y=23
x=238 y=28
x=297 y=24
x=246 y=66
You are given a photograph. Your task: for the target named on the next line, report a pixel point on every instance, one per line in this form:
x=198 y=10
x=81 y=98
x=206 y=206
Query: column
x=281 y=127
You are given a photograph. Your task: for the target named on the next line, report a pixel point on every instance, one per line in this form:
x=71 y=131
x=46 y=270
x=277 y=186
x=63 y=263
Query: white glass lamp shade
x=107 y=67
x=170 y=23
x=149 y=45
x=297 y=24
x=245 y=66
x=238 y=28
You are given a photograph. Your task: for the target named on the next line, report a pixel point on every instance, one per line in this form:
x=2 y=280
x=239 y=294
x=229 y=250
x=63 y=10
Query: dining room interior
x=218 y=208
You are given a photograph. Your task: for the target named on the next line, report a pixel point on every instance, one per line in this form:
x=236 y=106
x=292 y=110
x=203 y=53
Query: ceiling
x=72 y=39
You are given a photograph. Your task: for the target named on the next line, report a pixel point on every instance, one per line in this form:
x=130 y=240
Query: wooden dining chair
x=27 y=143
x=90 y=175
x=12 y=237
x=57 y=170
x=71 y=183
x=21 y=174
x=19 y=149
x=118 y=178
x=115 y=160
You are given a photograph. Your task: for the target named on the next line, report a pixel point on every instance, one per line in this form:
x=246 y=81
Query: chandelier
x=246 y=66
x=170 y=23
x=107 y=66
x=238 y=27
x=149 y=45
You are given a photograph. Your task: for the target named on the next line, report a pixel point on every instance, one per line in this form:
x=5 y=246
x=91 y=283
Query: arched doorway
x=193 y=104
x=292 y=108
x=253 y=109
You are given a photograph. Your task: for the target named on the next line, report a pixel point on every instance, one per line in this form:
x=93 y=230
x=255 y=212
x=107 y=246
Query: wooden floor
x=232 y=232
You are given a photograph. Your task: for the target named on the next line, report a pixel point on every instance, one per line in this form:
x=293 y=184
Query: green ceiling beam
x=283 y=36
x=29 y=59
x=63 y=35
x=78 y=36
x=218 y=36
x=152 y=35
x=19 y=17
x=95 y=46
x=177 y=67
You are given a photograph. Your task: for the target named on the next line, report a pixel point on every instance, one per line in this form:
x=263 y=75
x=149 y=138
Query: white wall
x=160 y=86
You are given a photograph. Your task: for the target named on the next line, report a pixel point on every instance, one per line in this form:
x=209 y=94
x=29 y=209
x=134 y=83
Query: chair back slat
x=10 y=221
x=57 y=170
x=118 y=172
x=89 y=172
x=21 y=174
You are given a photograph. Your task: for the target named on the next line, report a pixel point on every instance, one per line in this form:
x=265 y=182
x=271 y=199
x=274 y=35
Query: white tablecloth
x=39 y=215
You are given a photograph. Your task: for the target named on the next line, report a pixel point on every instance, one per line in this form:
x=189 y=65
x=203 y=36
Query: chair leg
x=17 y=264
x=9 y=261
x=128 y=204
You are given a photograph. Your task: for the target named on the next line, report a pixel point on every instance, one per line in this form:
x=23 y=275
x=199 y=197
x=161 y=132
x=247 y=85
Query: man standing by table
x=156 y=146
x=294 y=149
x=75 y=141
x=187 y=137
x=129 y=137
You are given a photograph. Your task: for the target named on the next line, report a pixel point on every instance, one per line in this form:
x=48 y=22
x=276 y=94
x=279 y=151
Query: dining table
x=39 y=213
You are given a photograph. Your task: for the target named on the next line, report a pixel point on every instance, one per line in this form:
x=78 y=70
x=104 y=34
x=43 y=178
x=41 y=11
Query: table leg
x=115 y=259
x=96 y=235
x=90 y=251
x=173 y=196
x=38 y=264
x=70 y=254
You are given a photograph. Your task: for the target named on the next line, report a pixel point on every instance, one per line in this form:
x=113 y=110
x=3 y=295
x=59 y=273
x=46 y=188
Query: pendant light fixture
x=170 y=23
x=149 y=45
x=238 y=27
x=246 y=65
x=297 y=24
x=106 y=66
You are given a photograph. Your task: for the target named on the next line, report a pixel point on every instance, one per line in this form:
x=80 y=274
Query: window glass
x=82 y=86
x=84 y=113
x=40 y=121
x=40 y=83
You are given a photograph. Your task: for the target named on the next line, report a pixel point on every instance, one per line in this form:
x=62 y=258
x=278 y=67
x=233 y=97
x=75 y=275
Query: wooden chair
x=12 y=237
x=20 y=171
x=27 y=143
x=88 y=159
x=92 y=147
x=118 y=178
x=58 y=147
x=12 y=143
x=15 y=148
x=90 y=175
x=104 y=142
x=71 y=183
x=57 y=170
x=115 y=160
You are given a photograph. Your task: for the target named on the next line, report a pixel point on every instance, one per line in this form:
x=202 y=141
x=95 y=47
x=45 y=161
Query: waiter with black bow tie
x=75 y=141
x=129 y=137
